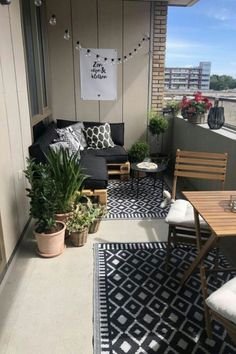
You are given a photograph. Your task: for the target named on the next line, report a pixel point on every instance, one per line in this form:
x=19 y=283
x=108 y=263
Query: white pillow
x=78 y=129
x=68 y=135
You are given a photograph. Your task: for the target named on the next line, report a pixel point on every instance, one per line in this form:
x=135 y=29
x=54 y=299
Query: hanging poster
x=98 y=79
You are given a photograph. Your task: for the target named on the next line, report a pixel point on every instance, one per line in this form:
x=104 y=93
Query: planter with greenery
x=158 y=125
x=78 y=223
x=138 y=151
x=49 y=233
x=68 y=177
x=97 y=211
x=174 y=107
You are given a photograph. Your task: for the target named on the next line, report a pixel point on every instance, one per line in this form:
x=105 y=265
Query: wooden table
x=214 y=208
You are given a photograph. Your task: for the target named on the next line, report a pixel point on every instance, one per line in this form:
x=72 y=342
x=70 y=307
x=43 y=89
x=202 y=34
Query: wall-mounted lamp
x=5 y=2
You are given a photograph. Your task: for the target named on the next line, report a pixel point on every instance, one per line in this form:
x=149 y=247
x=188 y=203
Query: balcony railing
x=229 y=104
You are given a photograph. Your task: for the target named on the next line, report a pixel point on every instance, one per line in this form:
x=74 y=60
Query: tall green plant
x=68 y=177
x=42 y=194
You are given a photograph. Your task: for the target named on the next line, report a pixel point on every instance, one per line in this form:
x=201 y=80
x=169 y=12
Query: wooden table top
x=214 y=207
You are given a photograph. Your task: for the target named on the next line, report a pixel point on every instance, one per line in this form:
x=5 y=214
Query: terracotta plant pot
x=94 y=226
x=63 y=218
x=51 y=245
x=79 y=238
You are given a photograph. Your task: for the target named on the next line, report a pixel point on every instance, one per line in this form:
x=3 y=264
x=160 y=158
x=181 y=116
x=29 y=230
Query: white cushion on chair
x=223 y=300
x=181 y=213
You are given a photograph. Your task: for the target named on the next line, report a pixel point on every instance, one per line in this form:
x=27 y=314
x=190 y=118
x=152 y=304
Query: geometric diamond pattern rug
x=124 y=204
x=139 y=308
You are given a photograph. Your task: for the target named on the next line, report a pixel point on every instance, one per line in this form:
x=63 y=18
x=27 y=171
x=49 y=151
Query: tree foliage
x=222 y=82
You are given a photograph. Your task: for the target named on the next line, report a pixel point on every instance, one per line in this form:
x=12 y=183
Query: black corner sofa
x=93 y=161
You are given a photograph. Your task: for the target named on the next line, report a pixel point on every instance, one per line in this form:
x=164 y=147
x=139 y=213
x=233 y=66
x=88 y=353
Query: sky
x=205 y=31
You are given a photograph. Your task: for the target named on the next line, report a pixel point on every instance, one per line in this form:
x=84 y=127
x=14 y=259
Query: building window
x=36 y=50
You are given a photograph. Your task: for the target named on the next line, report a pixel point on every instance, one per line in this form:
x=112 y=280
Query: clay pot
x=63 y=218
x=94 y=226
x=79 y=238
x=51 y=245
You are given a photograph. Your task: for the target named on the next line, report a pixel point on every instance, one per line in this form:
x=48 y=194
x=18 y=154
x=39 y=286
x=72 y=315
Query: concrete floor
x=46 y=305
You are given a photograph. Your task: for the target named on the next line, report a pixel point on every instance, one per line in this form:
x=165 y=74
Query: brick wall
x=159 y=50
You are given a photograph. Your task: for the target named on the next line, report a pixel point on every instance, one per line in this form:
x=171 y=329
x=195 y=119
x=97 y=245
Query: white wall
x=106 y=24
x=15 y=133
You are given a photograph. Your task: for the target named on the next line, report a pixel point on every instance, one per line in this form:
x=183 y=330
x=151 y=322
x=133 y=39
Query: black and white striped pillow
x=68 y=135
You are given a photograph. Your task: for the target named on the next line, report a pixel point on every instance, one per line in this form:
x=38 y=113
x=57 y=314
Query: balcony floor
x=46 y=305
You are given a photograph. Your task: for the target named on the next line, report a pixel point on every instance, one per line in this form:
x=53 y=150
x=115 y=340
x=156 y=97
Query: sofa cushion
x=95 y=167
x=223 y=300
x=117 y=129
x=99 y=137
x=117 y=154
x=41 y=146
x=181 y=213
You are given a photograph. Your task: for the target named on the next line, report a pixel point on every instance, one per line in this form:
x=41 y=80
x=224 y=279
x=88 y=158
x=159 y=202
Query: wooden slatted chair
x=198 y=165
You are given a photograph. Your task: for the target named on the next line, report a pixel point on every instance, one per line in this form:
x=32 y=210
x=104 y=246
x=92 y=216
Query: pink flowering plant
x=195 y=106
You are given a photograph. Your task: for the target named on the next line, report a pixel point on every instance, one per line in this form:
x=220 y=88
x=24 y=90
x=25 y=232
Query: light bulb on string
x=88 y=52
x=38 y=2
x=67 y=35
x=98 y=57
x=78 y=46
x=53 y=20
x=139 y=45
x=112 y=61
x=125 y=58
x=130 y=55
x=135 y=50
x=119 y=60
x=105 y=60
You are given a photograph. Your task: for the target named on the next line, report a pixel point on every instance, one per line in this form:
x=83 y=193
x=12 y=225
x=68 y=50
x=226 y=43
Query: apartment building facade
x=191 y=78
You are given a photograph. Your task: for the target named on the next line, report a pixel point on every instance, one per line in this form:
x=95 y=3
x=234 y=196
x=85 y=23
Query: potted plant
x=174 y=107
x=194 y=109
x=49 y=233
x=68 y=177
x=77 y=224
x=97 y=211
x=158 y=124
x=138 y=151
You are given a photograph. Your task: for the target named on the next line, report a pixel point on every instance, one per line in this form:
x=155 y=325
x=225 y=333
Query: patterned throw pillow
x=58 y=145
x=99 y=137
x=78 y=129
x=63 y=145
x=68 y=135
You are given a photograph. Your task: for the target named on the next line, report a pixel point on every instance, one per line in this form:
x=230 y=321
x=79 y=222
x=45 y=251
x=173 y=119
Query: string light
x=78 y=46
x=38 y=2
x=89 y=52
x=67 y=35
x=53 y=20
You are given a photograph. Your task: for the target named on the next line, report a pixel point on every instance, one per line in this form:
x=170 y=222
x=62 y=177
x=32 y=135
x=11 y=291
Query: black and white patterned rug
x=140 y=309
x=123 y=202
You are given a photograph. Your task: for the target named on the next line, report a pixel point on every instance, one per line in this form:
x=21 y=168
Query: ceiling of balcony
x=182 y=2
x=176 y=2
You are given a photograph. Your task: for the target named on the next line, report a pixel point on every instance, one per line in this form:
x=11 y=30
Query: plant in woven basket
x=197 y=106
x=97 y=211
x=68 y=177
x=79 y=219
